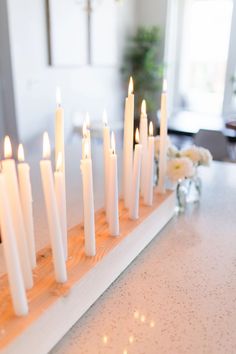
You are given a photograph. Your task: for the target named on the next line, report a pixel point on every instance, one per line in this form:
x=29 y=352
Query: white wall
x=7 y=104
x=83 y=88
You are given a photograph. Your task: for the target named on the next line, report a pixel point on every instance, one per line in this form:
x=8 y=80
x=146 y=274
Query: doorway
x=204 y=55
x=202 y=31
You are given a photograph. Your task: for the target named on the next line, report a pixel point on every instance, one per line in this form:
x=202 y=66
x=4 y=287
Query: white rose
x=206 y=157
x=193 y=153
x=179 y=168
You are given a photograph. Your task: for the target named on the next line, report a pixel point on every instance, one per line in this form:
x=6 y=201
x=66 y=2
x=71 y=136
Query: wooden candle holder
x=53 y=307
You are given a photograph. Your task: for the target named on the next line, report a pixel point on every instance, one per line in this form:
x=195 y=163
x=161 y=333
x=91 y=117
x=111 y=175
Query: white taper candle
x=59 y=130
x=143 y=141
x=113 y=200
x=134 y=204
x=26 y=202
x=61 y=202
x=11 y=255
x=128 y=144
x=88 y=203
x=52 y=213
x=60 y=149
x=148 y=197
x=106 y=152
x=163 y=141
x=9 y=171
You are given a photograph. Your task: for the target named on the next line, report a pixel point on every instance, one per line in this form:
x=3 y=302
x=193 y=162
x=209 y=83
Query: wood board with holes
x=54 y=308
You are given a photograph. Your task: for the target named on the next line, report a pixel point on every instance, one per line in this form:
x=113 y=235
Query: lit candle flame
x=137 y=136
x=143 y=107
x=84 y=129
x=46 y=146
x=150 y=129
x=131 y=86
x=7 y=148
x=113 y=143
x=87 y=119
x=21 y=155
x=58 y=96
x=59 y=162
x=164 y=89
x=86 y=149
x=104 y=117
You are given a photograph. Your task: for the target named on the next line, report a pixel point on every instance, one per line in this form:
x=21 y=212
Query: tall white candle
x=88 y=203
x=60 y=149
x=113 y=201
x=9 y=171
x=61 y=202
x=86 y=141
x=26 y=202
x=148 y=197
x=143 y=141
x=11 y=255
x=128 y=144
x=87 y=120
x=52 y=213
x=59 y=129
x=134 y=205
x=106 y=149
x=163 y=141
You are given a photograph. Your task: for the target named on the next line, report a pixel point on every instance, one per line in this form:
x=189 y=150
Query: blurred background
x=90 y=48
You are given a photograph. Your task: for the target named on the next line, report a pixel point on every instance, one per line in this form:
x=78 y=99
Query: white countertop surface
x=179 y=295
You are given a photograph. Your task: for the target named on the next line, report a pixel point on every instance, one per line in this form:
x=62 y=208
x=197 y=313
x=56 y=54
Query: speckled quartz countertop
x=179 y=295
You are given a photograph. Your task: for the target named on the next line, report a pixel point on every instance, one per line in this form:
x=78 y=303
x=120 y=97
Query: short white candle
x=106 y=151
x=148 y=197
x=128 y=144
x=9 y=171
x=134 y=205
x=11 y=255
x=163 y=141
x=88 y=203
x=113 y=201
x=26 y=202
x=61 y=202
x=143 y=141
x=52 y=213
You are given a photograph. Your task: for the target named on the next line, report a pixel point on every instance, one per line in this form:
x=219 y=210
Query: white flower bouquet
x=182 y=168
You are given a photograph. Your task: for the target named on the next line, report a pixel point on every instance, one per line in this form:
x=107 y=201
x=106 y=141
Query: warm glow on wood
x=59 y=162
x=113 y=143
x=58 y=96
x=164 y=89
x=21 y=155
x=151 y=129
x=104 y=117
x=7 y=148
x=46 y=146
x=143 y=107
x=131 y=86
x=137 y=136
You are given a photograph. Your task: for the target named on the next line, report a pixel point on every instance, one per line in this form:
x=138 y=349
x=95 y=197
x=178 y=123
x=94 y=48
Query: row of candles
x=16 y=215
